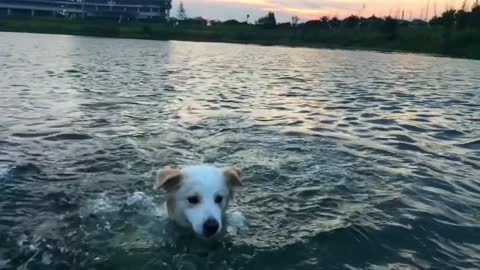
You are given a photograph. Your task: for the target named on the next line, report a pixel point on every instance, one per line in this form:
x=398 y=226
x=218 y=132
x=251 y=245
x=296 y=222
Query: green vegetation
x=455 y=33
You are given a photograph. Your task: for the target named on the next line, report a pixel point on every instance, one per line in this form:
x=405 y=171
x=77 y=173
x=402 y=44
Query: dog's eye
x=193 y=199
x=218 y=199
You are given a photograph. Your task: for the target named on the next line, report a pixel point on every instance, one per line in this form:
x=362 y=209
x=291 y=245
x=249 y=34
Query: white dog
x=198 y=196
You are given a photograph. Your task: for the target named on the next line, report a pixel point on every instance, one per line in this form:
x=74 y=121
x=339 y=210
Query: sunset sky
x=312 y=9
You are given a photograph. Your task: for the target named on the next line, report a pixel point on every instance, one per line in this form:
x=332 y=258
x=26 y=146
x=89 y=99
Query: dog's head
x=198 y=196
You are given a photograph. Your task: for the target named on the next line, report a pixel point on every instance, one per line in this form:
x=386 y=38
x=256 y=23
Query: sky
x=313 y=9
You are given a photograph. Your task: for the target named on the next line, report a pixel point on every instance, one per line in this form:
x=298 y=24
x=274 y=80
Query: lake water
x=352 y=160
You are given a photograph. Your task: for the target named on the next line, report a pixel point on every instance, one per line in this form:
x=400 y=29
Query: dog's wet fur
x=198 y=196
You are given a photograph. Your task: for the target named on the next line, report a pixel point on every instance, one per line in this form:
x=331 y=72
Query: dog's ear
x=232 y=176
x=168 y=179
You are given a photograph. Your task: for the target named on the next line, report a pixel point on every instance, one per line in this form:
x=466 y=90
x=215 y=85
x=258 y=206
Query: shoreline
x=429 y=42
x=305 y=46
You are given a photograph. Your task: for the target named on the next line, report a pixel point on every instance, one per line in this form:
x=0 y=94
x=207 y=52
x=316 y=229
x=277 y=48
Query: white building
x=135 y=9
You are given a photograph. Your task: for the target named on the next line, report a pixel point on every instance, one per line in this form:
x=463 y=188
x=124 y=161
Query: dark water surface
x=352 y=160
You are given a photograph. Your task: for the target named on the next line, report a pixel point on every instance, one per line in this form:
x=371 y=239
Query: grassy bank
x=463 y=43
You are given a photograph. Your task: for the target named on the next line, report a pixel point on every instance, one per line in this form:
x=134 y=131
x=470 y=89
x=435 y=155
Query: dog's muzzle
x=210 y=227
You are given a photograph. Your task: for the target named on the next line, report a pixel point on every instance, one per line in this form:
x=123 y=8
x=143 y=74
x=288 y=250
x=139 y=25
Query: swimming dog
x=197 y=196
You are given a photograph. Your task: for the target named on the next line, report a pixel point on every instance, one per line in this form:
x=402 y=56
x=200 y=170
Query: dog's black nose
x=210 y=227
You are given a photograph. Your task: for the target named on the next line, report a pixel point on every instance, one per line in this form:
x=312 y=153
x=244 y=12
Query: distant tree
x=475 y=15
x=372 y=22
x=232 y=22
x=317 y=24
x=334 y=23
x=198 y=21
x=418 y=23
x=268 y=21
x=459 y=19
x=390 y=28
x=217 y=22
x=284 y=25
x=248 y=17
x=312 y=24
x=295 y=20
x=182 y=13
x=462 y=18
x=435 y=21
x=325 y=23
x=448 y=18
x=351 y=21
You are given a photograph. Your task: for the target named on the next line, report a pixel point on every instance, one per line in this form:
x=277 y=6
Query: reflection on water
x=352 y=160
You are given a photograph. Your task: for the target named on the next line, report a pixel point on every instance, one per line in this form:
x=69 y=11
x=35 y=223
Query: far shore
x=432 y=40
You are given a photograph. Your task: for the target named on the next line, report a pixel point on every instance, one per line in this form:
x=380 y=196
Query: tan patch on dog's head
x=232 y=176
x=168 y=179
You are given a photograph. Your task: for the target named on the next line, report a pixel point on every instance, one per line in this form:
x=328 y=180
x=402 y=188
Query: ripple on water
x=474 y=145
x=67 y=137
x=4 y=171
x=403 y=138
x=449 y=134
x=414 y=128
x=72 y=71
x=33 y=135
x=382 y=121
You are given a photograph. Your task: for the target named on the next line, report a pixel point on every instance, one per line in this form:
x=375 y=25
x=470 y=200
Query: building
x=131 y=9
